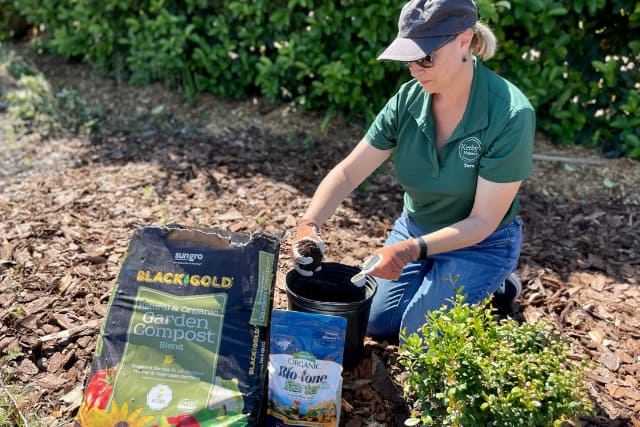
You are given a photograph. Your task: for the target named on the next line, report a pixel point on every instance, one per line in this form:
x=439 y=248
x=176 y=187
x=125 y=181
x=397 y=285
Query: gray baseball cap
x=426 y=25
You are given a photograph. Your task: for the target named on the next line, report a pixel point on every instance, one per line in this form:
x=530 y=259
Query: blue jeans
x=426 y=285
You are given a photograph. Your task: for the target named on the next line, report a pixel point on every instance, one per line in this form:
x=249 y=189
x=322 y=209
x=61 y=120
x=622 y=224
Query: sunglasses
x=427 y=61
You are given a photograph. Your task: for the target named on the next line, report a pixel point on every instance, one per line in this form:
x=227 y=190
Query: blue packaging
x=305 y=369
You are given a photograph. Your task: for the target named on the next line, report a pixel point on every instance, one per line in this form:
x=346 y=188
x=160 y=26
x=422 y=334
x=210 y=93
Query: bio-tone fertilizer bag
x=305 y=369
x=184 y=341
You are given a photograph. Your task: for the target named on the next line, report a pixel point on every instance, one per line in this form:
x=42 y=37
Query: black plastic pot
x=330 y=291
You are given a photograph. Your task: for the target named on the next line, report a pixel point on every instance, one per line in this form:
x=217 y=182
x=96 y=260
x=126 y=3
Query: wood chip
x=88 y=328
x=610 y=361
x=27 y=367
x=74 y=397
x=596 y=336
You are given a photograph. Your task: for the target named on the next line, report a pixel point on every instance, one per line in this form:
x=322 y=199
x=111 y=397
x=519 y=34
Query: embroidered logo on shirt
x=469 y=151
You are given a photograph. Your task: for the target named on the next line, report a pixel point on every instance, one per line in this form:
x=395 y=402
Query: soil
x=309 y=249
x=69 y=205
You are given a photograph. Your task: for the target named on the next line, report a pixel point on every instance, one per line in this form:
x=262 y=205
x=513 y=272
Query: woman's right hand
x=394 y=257
x=307 y=248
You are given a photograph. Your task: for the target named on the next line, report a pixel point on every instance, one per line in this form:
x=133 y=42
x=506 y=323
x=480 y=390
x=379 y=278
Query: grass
x=10 y=410
x=16 y=410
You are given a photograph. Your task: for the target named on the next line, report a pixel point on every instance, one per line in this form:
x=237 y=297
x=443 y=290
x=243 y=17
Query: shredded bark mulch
x=68 y=207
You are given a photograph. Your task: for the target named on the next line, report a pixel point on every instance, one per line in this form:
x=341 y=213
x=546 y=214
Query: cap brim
x=405 y=50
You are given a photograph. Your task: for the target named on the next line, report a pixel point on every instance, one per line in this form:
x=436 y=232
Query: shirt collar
x=476 y=115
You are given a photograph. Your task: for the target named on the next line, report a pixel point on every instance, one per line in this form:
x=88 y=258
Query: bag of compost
x=184 y=341
x=305 y=369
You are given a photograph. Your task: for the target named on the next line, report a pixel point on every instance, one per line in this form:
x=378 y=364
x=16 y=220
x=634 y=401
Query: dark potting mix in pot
x=331 y=292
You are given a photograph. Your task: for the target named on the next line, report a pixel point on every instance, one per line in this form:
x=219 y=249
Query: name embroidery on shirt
x=469 y=151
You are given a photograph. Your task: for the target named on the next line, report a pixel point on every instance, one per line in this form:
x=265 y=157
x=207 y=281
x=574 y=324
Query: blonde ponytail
x=484 y=43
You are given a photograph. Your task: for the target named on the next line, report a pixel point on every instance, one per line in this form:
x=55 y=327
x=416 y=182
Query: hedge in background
x=577 y=60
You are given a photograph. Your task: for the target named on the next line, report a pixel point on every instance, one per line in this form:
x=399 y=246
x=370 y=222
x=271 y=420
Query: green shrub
x=577 y=60
x=579 y=64
x=324 y=56
x=12 y=23
x=467 y=368
x=35 y=107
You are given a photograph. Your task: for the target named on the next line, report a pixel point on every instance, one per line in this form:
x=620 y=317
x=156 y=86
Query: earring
x=464 y=58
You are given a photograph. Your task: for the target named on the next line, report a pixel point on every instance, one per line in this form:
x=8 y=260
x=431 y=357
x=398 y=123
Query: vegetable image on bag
x=99 y=388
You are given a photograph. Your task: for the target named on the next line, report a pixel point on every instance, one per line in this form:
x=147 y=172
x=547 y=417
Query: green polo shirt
x=493 y=140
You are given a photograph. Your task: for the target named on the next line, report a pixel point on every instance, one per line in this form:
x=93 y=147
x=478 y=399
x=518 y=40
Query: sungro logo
x=188 y=257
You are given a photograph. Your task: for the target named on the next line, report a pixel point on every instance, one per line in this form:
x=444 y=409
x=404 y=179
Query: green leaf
x=557 y=11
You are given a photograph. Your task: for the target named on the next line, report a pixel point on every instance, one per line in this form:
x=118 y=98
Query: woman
x=462 y=141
